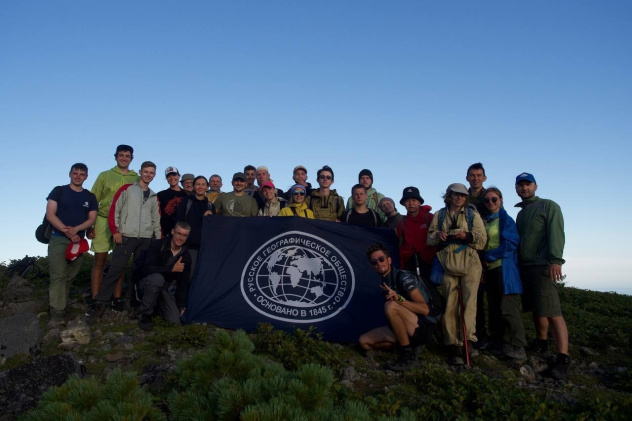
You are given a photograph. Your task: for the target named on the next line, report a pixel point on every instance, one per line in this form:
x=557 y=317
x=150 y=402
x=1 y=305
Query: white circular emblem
x=298 y=277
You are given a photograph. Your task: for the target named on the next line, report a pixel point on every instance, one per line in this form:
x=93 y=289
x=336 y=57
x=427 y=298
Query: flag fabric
x=289 y=272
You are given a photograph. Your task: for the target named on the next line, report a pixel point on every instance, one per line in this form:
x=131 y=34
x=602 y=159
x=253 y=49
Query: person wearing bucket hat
x=70 y=209
x=365 y=178
x=170 y=199
x=459 y=232
x=187 y=182
x=414 y=253
x=540 y=253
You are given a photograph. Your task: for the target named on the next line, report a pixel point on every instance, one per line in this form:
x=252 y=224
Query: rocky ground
x=37 y=353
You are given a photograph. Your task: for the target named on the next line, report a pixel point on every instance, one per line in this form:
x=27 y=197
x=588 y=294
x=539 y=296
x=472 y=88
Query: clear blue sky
x=414 y=90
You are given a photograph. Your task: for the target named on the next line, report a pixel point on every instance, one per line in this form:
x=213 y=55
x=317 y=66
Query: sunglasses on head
x=490 y=199
x=297 y=192
x=380 y=259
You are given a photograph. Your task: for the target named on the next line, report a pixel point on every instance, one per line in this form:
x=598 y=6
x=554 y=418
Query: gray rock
x=350 y=374
x=112 y=358
x=18 y=290
x=22 y=387
x=11 y=309
x=77 y=332
x=538 y=364
x=586 y=351
x=52 y=335
x=19 y=334
x=527 y=373
x=106 y=348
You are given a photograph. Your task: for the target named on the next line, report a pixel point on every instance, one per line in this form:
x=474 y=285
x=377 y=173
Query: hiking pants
x=452 y=319
x=155 y=292
x=62 y=272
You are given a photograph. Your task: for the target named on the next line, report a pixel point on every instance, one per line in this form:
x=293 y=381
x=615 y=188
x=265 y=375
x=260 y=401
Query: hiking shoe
x=471 y=346
x=57 y=315
x=514 y=352
x=117 y=305
x=145 y=323
x=94 y=312
x=455 y=355
x=559 y=369
x=540 y=347
x=405 y=359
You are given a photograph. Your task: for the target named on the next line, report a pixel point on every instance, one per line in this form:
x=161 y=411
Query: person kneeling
x=409 y=321
x=165 y=282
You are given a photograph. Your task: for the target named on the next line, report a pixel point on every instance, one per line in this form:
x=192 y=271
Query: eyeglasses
x=297 y=192
x=380 y=259
x=326 y=177
x=491 y=199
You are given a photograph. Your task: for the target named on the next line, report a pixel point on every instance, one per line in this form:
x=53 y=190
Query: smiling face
x=250 y=177
x=215 y=183
x=298 y=195
x=526 y=189
x=187 y=186
x=239 y=185
x=493 y=202
x=476 y=178
x=179 y=237
x=173 y=179
x=200 y=187
x=300 y=176
x=457 y=200
x=147 y=174
x=77 y=177
x=381 y=264
x=268 y=193
x=123 y=159
x=387 y=207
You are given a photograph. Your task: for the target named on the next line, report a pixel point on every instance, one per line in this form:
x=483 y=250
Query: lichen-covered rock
x=77 y=332
x=19 y=334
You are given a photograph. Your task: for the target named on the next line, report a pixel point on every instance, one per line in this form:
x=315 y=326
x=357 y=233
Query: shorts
x=424 y=331
x=540 y=293
x=102 y=241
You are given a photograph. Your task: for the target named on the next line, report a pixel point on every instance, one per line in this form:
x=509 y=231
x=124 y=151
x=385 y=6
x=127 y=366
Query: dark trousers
x=505 y=321
x=156 y=295
x=120 y=257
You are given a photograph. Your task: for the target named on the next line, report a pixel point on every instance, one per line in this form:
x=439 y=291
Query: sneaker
x=117 y=305
x=559 y=369
x=146 y=323
x=94 y=312
x=471 y=346
x=455 y=356
x=540 y=347
x=405 y=359
x=514 y=352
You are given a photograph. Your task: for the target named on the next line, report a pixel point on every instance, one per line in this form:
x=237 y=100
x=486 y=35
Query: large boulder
x=22 y=387
x=19 y=334
x=18 y=290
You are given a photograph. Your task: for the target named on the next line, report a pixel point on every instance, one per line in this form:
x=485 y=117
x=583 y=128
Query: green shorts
x=102 y=241
x=540 y=293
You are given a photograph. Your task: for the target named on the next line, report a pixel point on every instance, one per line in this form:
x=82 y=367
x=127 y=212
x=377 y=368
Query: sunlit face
x=489 y=199
x=187 y=185
x=262 y=176
x=179 y=236
x=381 y=264
x=123 y=159
x=457 y=200
x=215 y=183
x=268 y=193
x=147 y=174
x=200 y=187
x=298 y=195
x=387 y=207
x=526 y=189
x=366 y=181
x=239 y=185
x=250 y=176
x=300 y=176
x=412 y=206
x=173 y=179
x=476 y=178
x=77 y=177
x=359 y=197
x=325 y=179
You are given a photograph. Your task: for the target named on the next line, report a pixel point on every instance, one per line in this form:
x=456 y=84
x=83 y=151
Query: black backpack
x=436 y=302
x=45 y=229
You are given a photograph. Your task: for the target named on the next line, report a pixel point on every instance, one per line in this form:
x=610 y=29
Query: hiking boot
x=559 y=369
x=405 y=359
x=117 y=305
x=94 y=312
x=57 y=315
x=514 y=352
x=471 y=346
x=455 y=355
x=540 y=347
x=145 y=323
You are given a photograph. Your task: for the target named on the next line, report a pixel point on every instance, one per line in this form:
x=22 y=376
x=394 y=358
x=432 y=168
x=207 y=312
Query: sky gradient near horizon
x=414 y=90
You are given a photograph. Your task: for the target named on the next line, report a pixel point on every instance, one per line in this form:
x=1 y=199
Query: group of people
x=470 y=247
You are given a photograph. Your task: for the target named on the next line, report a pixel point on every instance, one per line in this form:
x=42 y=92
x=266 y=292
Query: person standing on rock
x=71 y=209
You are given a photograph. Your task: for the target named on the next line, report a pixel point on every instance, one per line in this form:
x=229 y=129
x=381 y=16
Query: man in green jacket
x=541 y=228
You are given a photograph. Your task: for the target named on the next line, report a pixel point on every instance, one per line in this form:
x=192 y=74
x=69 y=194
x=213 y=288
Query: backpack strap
x=189 y=204
x=293 y=209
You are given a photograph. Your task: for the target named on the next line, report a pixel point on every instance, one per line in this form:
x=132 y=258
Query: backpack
x=436 y=302
x=469 y=215
x=45 y=229
x=210 y=206
x=375 y=223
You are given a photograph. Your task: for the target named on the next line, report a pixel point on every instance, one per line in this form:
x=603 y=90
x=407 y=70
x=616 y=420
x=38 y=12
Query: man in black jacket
x=165 y=282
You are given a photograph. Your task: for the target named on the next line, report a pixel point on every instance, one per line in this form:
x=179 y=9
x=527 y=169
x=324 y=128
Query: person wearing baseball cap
x=170 y=199
x=540 y=255
x=273 y=204
x=299 y=175
x=187 y=182
x=459 y=233
x=237 y=202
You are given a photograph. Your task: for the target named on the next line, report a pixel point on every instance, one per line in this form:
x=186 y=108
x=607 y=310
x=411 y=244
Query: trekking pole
x=463 y=329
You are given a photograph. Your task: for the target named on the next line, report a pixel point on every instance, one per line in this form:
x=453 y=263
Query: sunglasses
x=380 y=259
x=326 y=177
x=490 y=199
x=297 y=192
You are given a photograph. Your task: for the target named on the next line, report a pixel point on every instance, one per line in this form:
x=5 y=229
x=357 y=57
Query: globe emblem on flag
x=297 y=277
